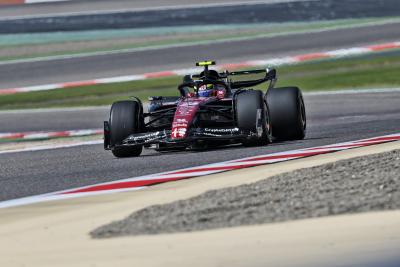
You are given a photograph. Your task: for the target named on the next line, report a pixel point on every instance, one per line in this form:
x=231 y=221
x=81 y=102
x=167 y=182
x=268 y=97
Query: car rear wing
x=270 y=75
x=245 y=72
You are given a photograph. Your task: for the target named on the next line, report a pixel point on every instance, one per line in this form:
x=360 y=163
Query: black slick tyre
x=252 y=115
x=287 y=111
x=124 y=121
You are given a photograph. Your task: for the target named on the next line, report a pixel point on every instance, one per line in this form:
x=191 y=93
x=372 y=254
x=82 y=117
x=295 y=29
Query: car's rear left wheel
x=288 y=115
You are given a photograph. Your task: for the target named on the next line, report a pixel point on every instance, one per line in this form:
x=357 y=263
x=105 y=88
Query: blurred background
x=75 y=42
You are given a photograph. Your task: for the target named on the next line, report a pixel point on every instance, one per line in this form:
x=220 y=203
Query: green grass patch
x=373 y=71
x=380 y=70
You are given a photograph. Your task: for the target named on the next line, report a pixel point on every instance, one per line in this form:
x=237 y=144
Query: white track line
x=48 y=135
x=46 y=110
x=52 y=146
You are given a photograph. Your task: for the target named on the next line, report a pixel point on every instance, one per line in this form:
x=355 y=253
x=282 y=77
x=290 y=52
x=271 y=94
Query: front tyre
x=124 y=121
x=252 y=114
x=288 y=115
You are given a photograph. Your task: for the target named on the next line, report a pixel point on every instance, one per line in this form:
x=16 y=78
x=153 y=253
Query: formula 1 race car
x=212 y=110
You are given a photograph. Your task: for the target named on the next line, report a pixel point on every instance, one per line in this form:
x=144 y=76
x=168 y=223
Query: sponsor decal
x=186 y=110
x=168 y=103
x=176 y=125
x=179 y=132
x=181 y=121
x=145 y=137
x=219 y=130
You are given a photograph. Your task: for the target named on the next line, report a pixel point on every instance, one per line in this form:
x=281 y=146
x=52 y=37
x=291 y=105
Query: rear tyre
x=252 y=114
x=288 y=115
x=124 y=121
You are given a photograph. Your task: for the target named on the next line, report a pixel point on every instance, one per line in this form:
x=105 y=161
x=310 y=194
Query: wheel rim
x=267 y=122
x=302 y=113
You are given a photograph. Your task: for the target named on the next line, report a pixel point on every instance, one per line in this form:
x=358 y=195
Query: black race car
x=211 y=110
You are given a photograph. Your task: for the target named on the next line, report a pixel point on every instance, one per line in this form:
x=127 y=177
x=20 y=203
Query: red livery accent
x=185 y=112
x=211 y=110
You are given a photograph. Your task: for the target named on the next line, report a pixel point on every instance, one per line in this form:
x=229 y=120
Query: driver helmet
x=206 y=90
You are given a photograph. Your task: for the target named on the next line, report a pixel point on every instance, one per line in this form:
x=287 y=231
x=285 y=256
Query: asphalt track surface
x=207 y=14
x=53 y=120
x=127 y=63
x=105 y=6
x=331 y=119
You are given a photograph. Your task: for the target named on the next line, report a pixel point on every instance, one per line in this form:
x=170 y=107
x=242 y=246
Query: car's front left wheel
x=124 y=121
